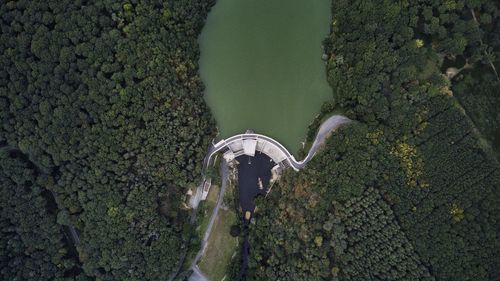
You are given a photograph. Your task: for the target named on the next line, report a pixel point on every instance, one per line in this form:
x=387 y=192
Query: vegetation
x=103 y=97
x=103 y=127
x=205 y=211
x=221 y=247
x=33 y=244
x=477 y=91
x=411 y=191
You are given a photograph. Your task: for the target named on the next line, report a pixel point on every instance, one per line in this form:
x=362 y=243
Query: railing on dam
x=274 y=149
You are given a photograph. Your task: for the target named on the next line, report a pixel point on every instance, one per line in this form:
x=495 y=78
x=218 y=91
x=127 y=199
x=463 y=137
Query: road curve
x=224 y=178
x=197 y=274
x=327 y=127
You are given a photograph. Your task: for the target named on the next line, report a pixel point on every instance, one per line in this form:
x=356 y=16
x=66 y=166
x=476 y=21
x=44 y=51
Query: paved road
x=327 y=127
x=224 y=172
x=485 y=52
x=197 y=274
x=74 y=235
x=71 y=228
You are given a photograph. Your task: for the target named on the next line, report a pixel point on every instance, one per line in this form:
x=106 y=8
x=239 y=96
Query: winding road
x=324 y=131
x=224 y=172
x=327 y=127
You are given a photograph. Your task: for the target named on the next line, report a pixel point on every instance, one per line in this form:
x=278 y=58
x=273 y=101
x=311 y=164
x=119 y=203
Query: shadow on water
x=251 y=171
x=254 y=174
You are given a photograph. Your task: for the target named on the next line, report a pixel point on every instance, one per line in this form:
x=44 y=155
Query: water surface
x=250 y=170
x=261 y=64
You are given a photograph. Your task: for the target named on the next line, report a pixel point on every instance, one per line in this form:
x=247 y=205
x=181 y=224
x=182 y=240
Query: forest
x=411 y=190
x=103 y=129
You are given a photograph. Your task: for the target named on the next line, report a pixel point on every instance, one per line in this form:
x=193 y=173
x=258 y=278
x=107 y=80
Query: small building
x=206 y=188
x=229 y=156
x=249 y=146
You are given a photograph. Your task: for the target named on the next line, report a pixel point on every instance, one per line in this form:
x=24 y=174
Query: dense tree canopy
x=411 y=190
x=103 y=127
x=33 y=245
x=105 y=99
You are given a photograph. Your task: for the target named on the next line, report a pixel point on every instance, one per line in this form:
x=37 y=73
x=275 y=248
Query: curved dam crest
x=248 y=143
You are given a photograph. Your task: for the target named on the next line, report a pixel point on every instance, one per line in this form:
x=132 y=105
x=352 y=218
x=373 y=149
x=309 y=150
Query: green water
x=262 y=68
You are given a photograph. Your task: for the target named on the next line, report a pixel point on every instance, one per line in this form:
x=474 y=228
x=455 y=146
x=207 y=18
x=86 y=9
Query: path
x=327 y=127
x=324 y=131
x=224 y=171
x=486 y=54
x=197 y=275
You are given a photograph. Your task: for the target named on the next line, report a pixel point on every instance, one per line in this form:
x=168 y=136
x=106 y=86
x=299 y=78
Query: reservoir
x=262 y=68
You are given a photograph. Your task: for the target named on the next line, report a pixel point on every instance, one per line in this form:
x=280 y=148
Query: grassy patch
x=221 y=247
x=206 y=209
x=230 y=194
x=213 y=194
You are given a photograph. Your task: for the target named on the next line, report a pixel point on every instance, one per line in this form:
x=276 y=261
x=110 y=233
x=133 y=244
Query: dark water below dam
x=251 y=170
x=261 y=65
x=254 y=174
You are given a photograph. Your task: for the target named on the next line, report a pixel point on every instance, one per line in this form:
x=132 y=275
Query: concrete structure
x=249 y=142
x=206 y=188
